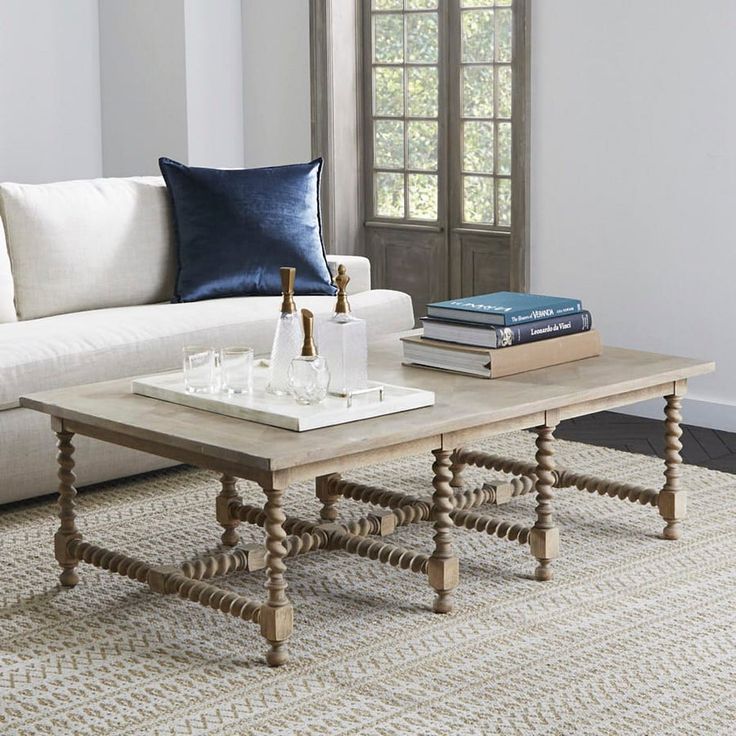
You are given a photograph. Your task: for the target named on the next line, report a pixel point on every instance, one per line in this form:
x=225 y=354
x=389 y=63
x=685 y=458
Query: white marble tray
x=280 y=411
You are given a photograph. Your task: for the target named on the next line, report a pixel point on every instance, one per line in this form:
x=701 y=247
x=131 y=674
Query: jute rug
x=634 y=636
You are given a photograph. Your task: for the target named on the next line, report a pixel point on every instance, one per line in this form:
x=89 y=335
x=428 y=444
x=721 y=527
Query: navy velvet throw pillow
x=236 y=227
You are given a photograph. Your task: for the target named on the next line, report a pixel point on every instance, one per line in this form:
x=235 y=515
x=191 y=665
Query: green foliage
x=421 y=37
x=423 y=196
x=388 y=91
x=478 y=91
x=478 y=146
x=504 y=25
x=478 y=30
x=503 y=165
x=422 y=86
x=422 y=144
x=503 y=92
x=388 y=38
x=388 y=4
x=478 y=199
x=503 y=201
x=388 y=144
x=389 y=194
x=421 y=4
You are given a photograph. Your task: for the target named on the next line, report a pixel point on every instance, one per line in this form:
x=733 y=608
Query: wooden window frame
x=339 y=207
x=371 y=219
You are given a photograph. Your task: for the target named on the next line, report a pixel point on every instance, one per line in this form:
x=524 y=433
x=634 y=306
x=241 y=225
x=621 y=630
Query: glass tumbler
x=199 y=369
x=236 y=370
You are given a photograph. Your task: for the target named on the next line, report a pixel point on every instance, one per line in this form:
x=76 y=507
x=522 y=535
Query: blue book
x=505 y=308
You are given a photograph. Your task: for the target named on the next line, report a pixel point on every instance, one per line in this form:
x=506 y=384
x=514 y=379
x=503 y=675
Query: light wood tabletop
x=465 y=407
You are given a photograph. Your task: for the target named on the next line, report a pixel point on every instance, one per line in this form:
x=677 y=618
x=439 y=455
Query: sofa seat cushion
x=92 y=244
x=99 y=345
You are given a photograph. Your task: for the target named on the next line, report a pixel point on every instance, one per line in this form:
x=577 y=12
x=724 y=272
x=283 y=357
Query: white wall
x=634 y=177
x=214 y=78
x=92 y=88
x=49 y=90
x=143 y=73
x=276 y=82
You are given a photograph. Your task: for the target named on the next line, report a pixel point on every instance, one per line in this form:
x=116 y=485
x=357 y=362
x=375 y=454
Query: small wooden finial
x=288 y=276
x=341 y=280
x=309 y=349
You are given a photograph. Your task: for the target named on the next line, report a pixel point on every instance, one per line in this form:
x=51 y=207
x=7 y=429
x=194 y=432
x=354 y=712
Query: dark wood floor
x=707 y=447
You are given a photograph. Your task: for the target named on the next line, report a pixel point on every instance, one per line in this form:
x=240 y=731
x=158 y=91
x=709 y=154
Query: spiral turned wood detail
x=377 y=549
x=110 y=560
x=672 y=498
x=67 y=531
x=544 y=535
x=185 y=585
x=456 y=468
x=364 y=527
x=225 y=516
x=276 y=615
x=563 y=478
x=442 y=504
x=213 y=566
x=487 y=494
x=472 y=498
x=214 y=597
x=443 y=565
x=490 y=525
x=490 y=461
x=275 y=549
x=603 y=487
x=300 y=544
x=407 y=509
x=248 y=513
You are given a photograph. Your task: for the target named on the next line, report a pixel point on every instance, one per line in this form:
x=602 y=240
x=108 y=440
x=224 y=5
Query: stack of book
x=495 y=335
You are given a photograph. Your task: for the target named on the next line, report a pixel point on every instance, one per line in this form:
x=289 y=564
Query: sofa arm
x=359 y=270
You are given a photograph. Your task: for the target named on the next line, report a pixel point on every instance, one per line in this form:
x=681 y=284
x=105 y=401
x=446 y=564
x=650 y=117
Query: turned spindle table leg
x=67 y=493
x=443 y=566
x=544 y=538
x=456 y=468
x=672 y=499
x=328 y=497
x=230 y=524
x=277 y=616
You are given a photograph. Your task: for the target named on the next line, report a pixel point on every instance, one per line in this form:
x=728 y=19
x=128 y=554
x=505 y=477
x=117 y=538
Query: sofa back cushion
x=80 y=245
x=7 y=304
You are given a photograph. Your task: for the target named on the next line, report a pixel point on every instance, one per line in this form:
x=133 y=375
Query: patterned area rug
x=634 y=636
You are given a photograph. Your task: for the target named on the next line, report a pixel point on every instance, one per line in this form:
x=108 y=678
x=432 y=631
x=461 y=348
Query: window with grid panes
x=485 y=84
x=405 y=109
x=410 y=110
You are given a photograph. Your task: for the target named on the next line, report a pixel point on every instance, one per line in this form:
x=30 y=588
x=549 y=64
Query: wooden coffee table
x=466 y=409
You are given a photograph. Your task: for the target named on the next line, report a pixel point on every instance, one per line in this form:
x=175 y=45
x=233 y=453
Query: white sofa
x=86 y=271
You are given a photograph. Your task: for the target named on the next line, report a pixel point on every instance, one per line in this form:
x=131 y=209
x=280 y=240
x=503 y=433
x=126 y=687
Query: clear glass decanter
x=309 y=375
x=287 y=342
x=343 y=341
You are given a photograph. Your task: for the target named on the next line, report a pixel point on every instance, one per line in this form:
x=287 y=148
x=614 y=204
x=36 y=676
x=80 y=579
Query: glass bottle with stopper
x=343 y=341
x=309 y=375
x=287 y=341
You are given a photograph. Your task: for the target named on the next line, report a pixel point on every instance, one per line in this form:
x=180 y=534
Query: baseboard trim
x=696 y=412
